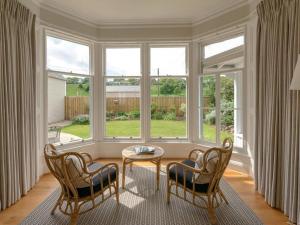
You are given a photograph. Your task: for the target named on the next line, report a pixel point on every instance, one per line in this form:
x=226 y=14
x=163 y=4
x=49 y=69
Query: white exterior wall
x=56 y=99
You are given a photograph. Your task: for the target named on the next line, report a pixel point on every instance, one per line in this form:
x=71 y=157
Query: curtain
x=18 y=149
x=277 y=148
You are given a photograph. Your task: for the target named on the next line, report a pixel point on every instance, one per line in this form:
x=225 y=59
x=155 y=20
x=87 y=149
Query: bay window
x=144 y=91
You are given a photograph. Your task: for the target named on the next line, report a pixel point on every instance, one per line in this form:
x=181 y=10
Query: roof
x=123 y=89
x=57 y=76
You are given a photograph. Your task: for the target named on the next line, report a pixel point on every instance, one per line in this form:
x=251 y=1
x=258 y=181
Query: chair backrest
x=59 y=165
x=222 y=157
x=227 y=143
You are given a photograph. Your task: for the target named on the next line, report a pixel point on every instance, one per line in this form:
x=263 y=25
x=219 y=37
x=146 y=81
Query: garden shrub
x=123 y=117
x=170 y=116
x=109 y=115
x=227 y=114
x=134 y=114
x=211 y=118
x=118 y=114
x=157 y=115
x=153 y=108
x=81 y=119
x=173 y=109
x=183 y=108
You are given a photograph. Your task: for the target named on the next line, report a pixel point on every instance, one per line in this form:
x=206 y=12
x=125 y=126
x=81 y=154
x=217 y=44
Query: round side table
x=129 y=156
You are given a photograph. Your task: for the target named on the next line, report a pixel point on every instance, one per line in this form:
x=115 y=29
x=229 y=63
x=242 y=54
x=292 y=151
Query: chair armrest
x=201 y=171
x=100 y=170
x=87 y=157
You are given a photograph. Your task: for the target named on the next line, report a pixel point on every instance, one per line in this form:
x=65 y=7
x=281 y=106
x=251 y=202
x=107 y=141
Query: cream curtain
x=18 y=156
x=277 y=158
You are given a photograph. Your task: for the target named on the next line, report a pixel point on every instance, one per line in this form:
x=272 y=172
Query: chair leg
x=123 y=173
x=223 y=196
x=168 y=191
x=75 y=214
x=117 y=190
x=211 y=211
x=74 y=218
x=168 y=187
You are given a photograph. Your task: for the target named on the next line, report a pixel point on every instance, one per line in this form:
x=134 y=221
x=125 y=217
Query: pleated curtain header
x=17 y=11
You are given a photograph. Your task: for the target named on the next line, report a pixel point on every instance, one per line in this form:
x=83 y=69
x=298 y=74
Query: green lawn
x=82 y=131
x=209 y=133
x=131 y=128
x=74 y=90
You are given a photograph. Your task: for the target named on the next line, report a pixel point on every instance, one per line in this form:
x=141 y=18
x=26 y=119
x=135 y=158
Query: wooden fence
x=76 y=105
x=80 y=105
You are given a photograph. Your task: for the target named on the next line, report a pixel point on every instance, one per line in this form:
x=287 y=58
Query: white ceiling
x=141 y=11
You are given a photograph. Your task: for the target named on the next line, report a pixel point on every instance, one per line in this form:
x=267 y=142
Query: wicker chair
x=183 y=176
x=81 y=180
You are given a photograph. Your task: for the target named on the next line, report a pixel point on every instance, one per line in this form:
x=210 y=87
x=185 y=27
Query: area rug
x=140 y=204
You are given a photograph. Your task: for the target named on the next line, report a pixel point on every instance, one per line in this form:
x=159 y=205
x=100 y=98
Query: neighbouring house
x=123 y=91
x=56 y=98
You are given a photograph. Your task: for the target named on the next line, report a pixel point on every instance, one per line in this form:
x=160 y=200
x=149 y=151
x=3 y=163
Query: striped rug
x=140 y=204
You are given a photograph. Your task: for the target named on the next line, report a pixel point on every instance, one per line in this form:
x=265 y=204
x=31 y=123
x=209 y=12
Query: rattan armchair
x=181 y=177
x=82 y=181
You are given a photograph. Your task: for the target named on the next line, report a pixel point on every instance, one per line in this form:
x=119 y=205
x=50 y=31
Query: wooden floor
x=241 y=183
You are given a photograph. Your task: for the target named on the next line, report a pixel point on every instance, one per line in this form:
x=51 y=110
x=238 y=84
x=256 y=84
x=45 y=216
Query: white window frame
x=104 y=77
x=78 y=40
x=148 y=85
x=227 y=55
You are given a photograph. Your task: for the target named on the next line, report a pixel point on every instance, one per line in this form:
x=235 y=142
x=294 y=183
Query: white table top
x=129 y=153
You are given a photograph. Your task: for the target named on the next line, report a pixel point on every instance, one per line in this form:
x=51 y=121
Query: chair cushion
x=189 y=177
x=212 y=159
x=74 y=167
x=86 y=191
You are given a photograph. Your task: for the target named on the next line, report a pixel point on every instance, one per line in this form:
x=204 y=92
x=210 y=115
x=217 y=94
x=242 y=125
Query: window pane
x=231 y=104
x=168 y=107
x=68 y=108
x=223 y=46
x=207 y=108
x=208 y=125
x=208 y=89
x=66 y=56
x=168 y=61
x=123 y=107
x=123 y=62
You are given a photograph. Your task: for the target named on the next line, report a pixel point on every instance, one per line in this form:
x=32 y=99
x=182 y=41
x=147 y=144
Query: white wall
x=56 y=99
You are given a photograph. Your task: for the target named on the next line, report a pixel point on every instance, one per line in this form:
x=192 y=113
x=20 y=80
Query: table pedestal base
x=127 y=161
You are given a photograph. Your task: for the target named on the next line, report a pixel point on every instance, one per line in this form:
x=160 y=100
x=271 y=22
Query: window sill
x=75 y=144
x=170 y=140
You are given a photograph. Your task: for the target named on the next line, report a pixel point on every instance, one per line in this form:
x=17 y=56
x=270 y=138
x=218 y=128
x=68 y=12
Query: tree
x=227 y=89
x=85 y=80
x=167 y=86
x=133 y=81
x=170 y=86
x=72 y=80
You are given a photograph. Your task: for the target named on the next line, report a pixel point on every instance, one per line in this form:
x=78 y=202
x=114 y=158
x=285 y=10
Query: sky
x=66 y=56
x=219 y=47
